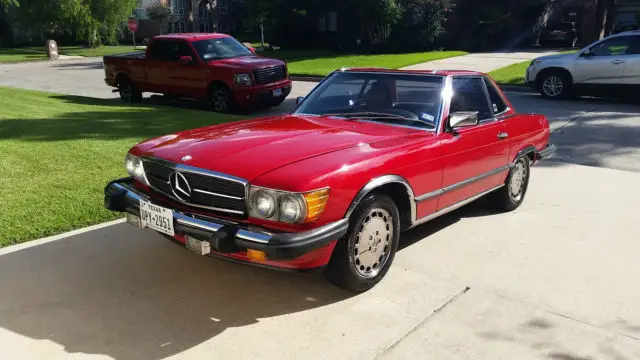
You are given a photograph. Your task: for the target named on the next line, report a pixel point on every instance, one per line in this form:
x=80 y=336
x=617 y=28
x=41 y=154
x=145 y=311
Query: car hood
x=247 y=62
x=556 y=57
x=250 y=148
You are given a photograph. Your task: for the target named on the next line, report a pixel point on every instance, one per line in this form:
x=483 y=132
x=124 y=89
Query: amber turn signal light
x=316 y=202
x=256 y=255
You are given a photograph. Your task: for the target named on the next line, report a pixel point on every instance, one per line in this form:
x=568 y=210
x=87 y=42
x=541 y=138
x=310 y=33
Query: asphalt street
x=553 y=280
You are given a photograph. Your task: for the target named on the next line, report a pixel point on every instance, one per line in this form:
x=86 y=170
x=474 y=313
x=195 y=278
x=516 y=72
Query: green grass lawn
x=320 y=62
x=38 y=53
x=57 y=153
x=16 y=55
x=514 y=74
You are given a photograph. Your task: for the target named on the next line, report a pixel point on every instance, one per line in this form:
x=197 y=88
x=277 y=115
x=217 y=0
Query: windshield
x=403 y=99
x=220 y=48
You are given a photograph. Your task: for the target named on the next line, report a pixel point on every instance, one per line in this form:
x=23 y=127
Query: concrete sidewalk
x=483 y=62
x=552 y=280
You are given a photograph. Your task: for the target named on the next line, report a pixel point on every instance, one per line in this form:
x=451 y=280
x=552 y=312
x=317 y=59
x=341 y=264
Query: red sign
x=133 y=25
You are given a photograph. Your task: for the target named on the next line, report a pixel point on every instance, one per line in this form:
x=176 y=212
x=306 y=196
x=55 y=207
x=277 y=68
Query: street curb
x=45 y=240
x=504 y=87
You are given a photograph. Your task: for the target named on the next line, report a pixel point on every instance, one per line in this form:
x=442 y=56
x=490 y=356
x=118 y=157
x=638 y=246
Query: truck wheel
x=128 y=91
x=221 y=99
x=511 y=195
x=554 y=85
x=362 y=257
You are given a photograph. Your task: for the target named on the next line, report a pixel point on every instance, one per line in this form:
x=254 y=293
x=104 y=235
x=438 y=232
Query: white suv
x=607 y=65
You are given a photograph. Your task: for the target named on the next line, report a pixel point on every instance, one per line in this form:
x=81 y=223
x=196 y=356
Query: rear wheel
x=128 y=91
x=362 y=258
x=554 y=85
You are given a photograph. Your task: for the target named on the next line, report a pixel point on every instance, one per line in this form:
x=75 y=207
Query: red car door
x=188 y=79
x=475 y=158
x=160 y=62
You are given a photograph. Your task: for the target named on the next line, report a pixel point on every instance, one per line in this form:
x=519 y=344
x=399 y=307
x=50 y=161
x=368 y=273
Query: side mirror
x=252 y=49
x=586 y=54
x=299 y=99
x=248 y=46
x=185 y=60
x=463 y=119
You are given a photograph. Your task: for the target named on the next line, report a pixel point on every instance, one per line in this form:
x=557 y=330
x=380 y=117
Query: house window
x=205 y=27
x=170 y=27
x=180 y=27
x=178 y=8
x=203 y=12
x=328 y=22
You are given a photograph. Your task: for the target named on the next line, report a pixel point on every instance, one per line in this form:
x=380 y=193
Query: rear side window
x=497 y=103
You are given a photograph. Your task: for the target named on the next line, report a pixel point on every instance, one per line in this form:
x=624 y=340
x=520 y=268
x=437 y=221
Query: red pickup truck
x=214 y=67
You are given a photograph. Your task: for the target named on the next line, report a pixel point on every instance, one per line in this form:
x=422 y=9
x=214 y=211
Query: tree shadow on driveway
x=134 y=295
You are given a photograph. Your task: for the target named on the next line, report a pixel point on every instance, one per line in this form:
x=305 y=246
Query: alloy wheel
x=518 y=181
x=372 y=244
x=553 y=86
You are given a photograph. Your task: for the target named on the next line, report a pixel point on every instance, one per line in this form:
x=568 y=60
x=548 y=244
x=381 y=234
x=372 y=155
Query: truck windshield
x=220 y=48
x=403 y=99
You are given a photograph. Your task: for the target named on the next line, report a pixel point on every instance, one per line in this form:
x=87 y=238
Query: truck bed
x=129 y=55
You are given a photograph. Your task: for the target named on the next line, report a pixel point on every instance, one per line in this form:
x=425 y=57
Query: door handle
x=617 y=62
x=503 y=135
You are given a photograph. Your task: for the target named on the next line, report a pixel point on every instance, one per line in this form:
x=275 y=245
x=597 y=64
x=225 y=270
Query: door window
x=497 y=103
x=469 y=95
x=612 y=47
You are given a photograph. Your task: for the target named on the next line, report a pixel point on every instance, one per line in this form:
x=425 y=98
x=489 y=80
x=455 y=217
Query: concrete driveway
x=553 y=280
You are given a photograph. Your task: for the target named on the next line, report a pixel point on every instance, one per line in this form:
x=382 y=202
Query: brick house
x=191 y=16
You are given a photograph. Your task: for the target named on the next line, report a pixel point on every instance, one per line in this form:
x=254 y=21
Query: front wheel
x=362 y=258
x=511 y=195
x=554 y=85
x=221 y=99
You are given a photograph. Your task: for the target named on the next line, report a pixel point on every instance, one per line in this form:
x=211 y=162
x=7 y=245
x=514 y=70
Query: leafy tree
x=9 y=3
x=159 y=13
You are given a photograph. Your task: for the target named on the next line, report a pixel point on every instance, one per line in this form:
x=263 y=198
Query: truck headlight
x=134 y=167
x=288 y=207
x=243 y=79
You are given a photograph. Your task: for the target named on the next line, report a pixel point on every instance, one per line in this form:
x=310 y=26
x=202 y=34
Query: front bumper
x=262 y=95
x=227 y=237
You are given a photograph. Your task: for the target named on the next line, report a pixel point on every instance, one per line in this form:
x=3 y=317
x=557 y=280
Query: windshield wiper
x=372 y=115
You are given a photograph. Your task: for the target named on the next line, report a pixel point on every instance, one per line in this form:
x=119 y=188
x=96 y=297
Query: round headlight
x=130 y=163
x=264 y=204
x=290 y=209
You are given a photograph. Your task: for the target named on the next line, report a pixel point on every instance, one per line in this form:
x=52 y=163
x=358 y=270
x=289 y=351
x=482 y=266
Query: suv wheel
x=362 y=258
x=554 y=85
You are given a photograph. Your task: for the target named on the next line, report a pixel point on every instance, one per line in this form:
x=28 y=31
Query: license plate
x=277 y=92
x=156 y=217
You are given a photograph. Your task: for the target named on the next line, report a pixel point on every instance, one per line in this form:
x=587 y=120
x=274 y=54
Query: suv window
x=469 y=95
x=619 y=45
x=497 y=103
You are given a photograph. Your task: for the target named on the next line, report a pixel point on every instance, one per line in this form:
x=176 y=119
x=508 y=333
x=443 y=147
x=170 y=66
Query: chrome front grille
x=197 y=187
x=269 y=75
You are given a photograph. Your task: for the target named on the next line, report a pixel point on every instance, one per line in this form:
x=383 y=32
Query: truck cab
x=213 y=67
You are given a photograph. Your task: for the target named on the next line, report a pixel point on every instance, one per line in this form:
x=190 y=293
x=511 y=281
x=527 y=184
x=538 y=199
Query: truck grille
x=197 y=187
x=269 y=75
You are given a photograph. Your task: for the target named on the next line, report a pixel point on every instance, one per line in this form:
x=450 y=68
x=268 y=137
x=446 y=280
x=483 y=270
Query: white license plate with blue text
x=156 y=217
x=277 y=92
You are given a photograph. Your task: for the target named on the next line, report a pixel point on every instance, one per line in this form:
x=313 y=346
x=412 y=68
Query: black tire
x=128 y=91
x=512 y=194
x=554 y=85
x=358 y=273
x=221 y=99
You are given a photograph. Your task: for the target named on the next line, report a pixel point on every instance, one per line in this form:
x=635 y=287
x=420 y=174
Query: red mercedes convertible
x=367 y=155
